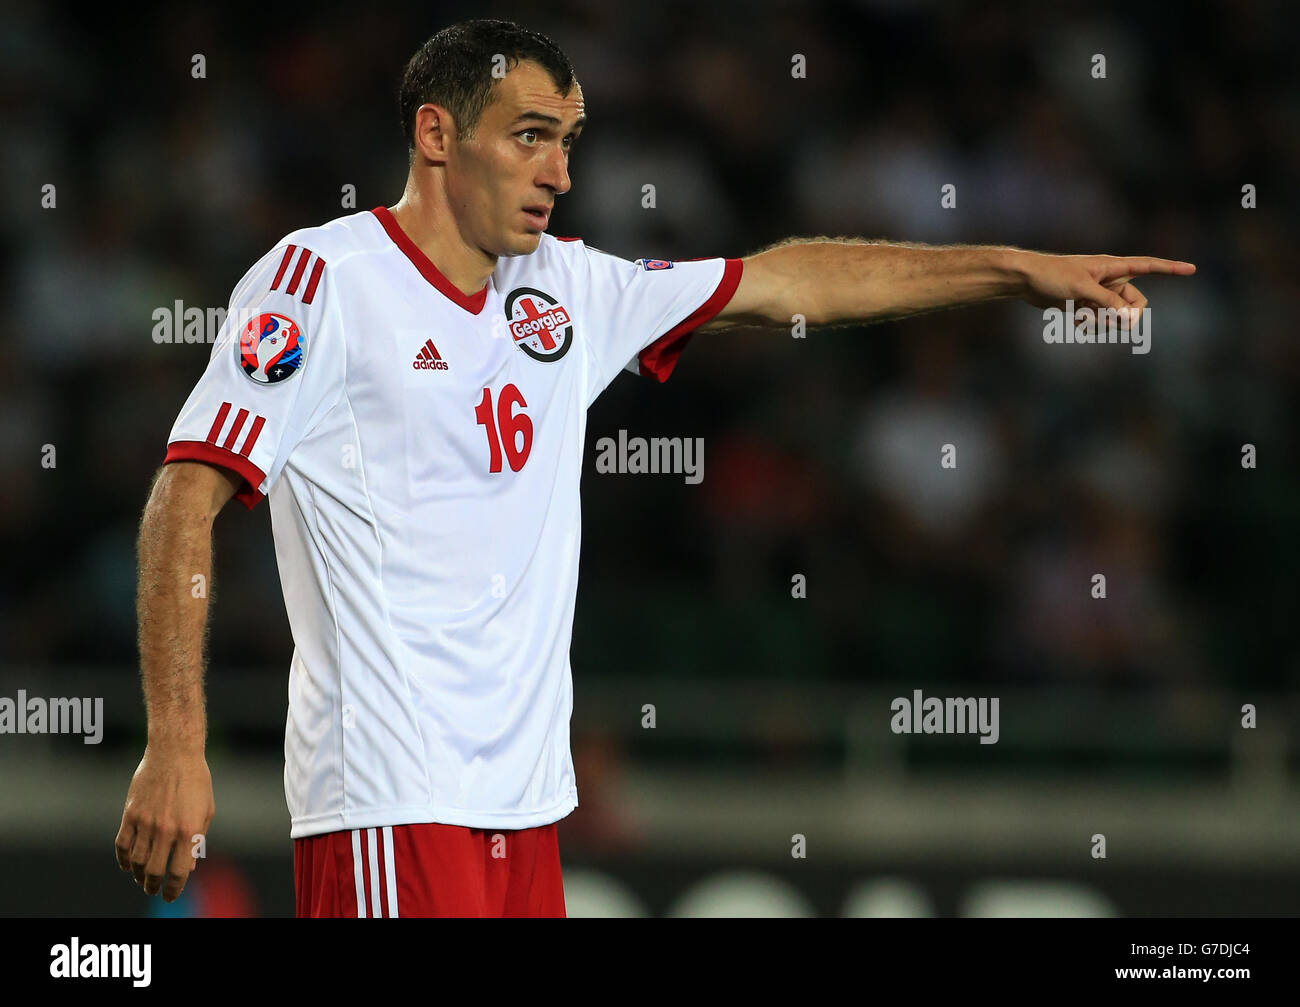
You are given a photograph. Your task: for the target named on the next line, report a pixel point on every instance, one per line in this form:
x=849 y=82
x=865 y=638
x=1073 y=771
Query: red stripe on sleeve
x=219 y=422
x=284 y=264
x=229 y=442
x=251 y=439
x=297 y=271
x=316 y=270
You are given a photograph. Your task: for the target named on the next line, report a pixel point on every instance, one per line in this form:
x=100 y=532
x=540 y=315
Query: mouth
x=539 y=216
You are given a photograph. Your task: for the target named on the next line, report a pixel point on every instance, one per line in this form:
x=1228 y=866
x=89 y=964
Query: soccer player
x=408 y=386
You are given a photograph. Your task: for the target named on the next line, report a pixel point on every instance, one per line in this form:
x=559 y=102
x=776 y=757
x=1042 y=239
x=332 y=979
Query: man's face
x=517 y=161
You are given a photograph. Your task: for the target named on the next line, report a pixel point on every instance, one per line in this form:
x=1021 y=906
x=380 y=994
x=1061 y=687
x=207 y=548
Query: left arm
x=843 y=281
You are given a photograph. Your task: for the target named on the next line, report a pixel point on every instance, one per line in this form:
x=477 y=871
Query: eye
x=526 y=132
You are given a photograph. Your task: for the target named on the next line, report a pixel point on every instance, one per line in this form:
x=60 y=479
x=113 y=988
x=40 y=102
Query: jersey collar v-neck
x=473 y=303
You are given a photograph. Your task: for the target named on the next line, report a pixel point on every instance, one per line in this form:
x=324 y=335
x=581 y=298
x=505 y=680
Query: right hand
x=168 y=805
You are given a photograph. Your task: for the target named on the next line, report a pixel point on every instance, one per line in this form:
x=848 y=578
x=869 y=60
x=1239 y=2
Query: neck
x=426 y=218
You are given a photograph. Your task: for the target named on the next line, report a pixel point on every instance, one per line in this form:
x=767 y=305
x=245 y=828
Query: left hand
x=1093 y=281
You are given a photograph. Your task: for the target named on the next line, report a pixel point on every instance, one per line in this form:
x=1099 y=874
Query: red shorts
x=429 y=870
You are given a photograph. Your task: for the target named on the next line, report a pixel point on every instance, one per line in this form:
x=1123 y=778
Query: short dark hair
x=454 y=69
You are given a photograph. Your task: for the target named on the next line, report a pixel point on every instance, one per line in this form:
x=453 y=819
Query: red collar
x=473 y=303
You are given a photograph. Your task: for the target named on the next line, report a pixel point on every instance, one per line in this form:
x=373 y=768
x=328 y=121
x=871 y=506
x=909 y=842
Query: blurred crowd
x=821 y=453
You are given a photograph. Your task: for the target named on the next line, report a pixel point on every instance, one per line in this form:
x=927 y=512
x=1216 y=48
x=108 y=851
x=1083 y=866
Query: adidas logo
x=428 y=359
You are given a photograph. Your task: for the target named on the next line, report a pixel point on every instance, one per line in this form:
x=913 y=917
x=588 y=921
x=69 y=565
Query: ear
x=434 y=128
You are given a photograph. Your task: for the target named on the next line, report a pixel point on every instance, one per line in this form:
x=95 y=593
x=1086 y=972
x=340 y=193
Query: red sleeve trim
x=659 y=358
x=202 y=451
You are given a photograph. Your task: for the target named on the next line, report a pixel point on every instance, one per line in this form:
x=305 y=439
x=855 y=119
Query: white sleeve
x=276 y=368
x=639 y=315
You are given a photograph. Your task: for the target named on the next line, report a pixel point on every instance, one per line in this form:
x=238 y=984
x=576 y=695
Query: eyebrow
x=550 y=120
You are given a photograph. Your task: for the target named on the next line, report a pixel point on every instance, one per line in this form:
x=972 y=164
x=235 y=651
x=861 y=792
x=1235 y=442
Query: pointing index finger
x=1140 y=265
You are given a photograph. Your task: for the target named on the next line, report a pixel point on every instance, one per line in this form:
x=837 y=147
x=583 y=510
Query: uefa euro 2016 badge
x=271 y=348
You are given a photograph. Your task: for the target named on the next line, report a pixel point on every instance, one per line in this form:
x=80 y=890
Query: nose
x=555 y=173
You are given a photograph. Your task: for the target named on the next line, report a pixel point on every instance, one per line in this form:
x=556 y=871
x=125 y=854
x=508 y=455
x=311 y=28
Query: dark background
x=1119 y=716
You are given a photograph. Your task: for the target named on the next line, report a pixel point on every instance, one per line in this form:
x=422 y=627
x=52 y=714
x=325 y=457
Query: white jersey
x=421 y=449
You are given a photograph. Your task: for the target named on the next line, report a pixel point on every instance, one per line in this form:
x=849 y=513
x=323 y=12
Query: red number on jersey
x=511 y=425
